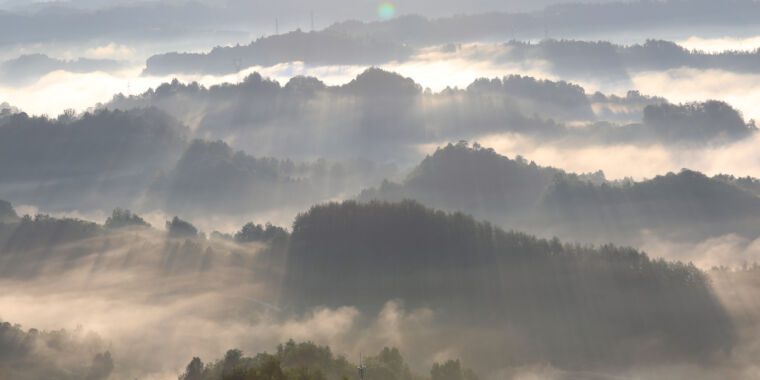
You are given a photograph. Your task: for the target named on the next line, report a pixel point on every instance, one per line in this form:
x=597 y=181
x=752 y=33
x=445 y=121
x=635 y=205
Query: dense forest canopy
x=365 y=254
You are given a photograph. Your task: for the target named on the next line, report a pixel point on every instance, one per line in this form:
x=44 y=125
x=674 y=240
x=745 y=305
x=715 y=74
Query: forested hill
x=553 y=298
x=515 y=193
x=688 y=204
x=474 y=180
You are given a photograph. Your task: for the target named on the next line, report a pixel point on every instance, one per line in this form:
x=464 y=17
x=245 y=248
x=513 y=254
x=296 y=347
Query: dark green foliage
x=121 y=218
x=178 y=228
x=563 y=297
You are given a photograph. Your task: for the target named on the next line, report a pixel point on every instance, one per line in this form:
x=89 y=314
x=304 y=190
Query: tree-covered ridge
x=747 y=183
x=121 y=218
x=321 y=47
x=606 y=59
x=309 y=361
x=711 y=120
x=29 y=244
x=211 y=177
x=85 y=161
x=398 y=39
x=561 y=296
x=143 y=159
x=380 y=114
x=86 y=145
x=519 y=194
x=688 y=204
x=686 y=192
x=471 y=179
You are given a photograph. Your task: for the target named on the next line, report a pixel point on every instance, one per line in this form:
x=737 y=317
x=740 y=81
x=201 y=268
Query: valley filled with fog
x=243 y=190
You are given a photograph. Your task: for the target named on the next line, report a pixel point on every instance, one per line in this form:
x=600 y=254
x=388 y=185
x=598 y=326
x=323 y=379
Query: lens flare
x=386 y=11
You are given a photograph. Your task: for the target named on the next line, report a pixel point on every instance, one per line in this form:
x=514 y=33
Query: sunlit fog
x=379 y=190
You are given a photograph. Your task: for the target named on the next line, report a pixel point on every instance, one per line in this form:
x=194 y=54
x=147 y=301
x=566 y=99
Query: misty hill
x=358 y=42
x=687 y=125
x=570 y=305
x=212 y=178
x=503 y=294
x=377 y=115
x=708 y=121
x=145 y=160
x=599 y=60
x=564 y=20
x=314 y=48
x=474 y=180
x=381 y=114
x=687 y=204
x=29 y=68
x=518 y=194
x=77 y=160
x=27 y=243
x=42 y=246
x=71 y=146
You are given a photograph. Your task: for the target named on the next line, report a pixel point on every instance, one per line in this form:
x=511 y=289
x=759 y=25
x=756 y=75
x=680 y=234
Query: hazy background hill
x=520 y=194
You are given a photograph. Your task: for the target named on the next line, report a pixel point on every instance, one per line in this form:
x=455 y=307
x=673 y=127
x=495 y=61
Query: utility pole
x=312 y=20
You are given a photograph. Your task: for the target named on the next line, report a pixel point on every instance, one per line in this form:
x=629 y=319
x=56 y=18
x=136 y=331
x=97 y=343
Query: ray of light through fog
x=379 y=190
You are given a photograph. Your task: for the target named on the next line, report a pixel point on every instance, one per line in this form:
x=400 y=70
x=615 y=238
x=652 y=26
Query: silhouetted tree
x=124 y=218
x=180 y=228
